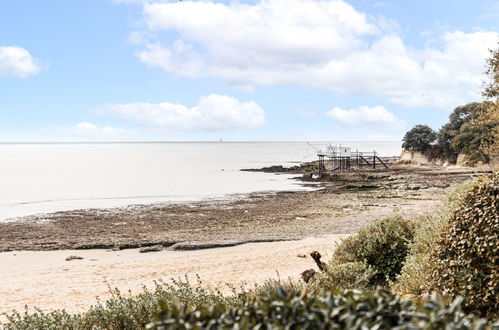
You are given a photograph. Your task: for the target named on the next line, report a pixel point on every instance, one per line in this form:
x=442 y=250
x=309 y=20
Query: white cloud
x=363 y=116
x=321 y=44
x=213 y=112
x=89 y=131
x=17 y=62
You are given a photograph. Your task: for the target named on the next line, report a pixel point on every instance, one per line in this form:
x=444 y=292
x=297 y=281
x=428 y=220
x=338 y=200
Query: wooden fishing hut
x=343 y=159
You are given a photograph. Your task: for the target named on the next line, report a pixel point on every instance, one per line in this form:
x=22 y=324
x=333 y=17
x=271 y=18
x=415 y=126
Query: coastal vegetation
x=454 y=252
x=382 y=247
x=418 y=138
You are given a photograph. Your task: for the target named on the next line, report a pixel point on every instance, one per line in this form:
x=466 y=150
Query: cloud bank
x=321 y=44
x=364 y=116
x=212 y=113
x=17 y=62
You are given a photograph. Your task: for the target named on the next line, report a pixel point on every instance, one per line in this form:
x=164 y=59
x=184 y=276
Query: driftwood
x=309 y=273
x=317 y=258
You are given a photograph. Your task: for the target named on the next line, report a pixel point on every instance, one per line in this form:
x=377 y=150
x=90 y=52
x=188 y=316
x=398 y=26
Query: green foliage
x=348 y=275
x=466 y=257
x=473 y=129
x=271 y=285
x=283 y=309
x=418 y=138
x=383 y=246
x=491 y=89
x=416 y=275
x=124 y=312
x=466 y=132
x=444 y=139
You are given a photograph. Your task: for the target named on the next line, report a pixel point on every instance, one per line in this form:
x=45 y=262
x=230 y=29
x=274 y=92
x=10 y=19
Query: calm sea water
x=41 y=178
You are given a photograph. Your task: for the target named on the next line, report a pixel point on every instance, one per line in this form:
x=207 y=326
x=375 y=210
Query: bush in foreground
x=124 y=312
x=416 y=275
x=382 y=246
x=283 y=309
x=182 y=306
x=348 y=275
x=466 y=257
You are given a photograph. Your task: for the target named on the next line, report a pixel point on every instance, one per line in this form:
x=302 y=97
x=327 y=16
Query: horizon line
x=192 y=141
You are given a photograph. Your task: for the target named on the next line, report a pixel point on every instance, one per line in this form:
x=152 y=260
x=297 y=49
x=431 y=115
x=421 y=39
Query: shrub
x=124 y=312
x=416 y=274
x=349 y=275
x=466 y=256
x=283 y=309
x=181 y=306
x=383 y=246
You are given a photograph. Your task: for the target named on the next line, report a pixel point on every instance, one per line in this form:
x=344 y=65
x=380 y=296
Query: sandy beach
x=47 y=280
x=247 y=240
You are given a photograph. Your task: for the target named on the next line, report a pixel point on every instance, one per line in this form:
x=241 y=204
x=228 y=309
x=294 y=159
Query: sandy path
x=46 y=280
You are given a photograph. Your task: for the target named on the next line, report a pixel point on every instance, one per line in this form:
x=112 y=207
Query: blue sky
x=249 y=70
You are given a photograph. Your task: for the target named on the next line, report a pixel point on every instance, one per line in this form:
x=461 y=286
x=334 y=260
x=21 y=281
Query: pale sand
x=45 y=280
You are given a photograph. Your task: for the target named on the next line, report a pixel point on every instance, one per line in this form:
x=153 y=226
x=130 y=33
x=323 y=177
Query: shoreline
x=228 y=241
x=346 y=202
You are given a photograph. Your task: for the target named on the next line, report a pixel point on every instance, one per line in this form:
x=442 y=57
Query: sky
x=264 y=70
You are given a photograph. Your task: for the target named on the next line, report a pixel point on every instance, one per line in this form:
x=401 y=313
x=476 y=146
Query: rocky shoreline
x=346 y=202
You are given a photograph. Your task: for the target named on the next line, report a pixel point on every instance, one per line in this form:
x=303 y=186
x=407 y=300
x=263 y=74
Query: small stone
x=301 y=256
x=307 y=275
x=73 y=258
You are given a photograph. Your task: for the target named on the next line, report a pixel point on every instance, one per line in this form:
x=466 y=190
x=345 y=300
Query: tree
x=463 y=134
x=473 y=129
x=419 y=138
x=491 y=87
x=490 y=117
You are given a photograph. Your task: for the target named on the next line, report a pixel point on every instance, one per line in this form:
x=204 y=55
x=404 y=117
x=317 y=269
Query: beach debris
x=72 y=257
x=300 y=218
x=317 y=258
x=302 y=255
x=307 y=275
x=154 y=248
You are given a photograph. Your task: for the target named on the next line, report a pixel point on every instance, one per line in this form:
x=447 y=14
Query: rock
x=73 y=258
x=197 y=245
x=301 y=256
x=155 y=248
x=307 y=275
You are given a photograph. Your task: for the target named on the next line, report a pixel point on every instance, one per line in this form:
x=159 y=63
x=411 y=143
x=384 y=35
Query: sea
x=38 y=178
